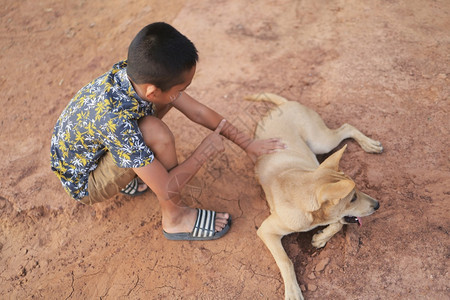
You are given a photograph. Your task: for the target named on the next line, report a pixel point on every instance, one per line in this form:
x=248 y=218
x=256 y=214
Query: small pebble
x=322 y=264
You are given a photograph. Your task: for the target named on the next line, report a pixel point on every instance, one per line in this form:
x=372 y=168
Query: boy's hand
x=212 y=144
x=260 y=147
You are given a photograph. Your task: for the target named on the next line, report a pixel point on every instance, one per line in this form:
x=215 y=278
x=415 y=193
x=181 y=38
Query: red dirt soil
x=383 y=66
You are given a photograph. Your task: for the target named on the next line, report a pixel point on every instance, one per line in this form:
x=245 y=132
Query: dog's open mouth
x=352 y=219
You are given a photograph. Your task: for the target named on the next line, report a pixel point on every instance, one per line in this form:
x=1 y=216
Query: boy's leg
x=176 y=216
x=160 y=140
x=107 y=180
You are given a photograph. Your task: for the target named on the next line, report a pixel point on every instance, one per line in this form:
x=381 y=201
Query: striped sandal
x=132 y=188
x=204 y=229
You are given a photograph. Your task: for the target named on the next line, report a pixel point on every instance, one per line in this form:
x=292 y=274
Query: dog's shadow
x=299 y=248
x=301 y=252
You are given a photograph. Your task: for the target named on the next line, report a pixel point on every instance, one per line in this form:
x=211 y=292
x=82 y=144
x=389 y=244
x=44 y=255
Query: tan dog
x=301 y=193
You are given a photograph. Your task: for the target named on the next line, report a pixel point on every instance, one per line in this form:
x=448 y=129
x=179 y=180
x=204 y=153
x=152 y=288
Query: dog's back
x=289 y=120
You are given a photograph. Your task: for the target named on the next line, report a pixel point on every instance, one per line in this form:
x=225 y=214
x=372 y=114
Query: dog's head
x=337 y=196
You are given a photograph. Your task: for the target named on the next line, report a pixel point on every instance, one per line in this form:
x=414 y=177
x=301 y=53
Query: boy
x=111 y=132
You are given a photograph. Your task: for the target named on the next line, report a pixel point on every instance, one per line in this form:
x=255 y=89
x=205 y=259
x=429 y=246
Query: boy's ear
x=332 y=162
x=151 y=91
x=335 y=191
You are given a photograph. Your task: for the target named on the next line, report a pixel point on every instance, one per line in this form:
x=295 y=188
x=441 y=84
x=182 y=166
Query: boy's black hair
x=160 y=54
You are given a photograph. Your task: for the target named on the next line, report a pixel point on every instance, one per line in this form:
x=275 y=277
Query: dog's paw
x=371 y=146
x=319 y=244
x=293 y=292
x=319 y=240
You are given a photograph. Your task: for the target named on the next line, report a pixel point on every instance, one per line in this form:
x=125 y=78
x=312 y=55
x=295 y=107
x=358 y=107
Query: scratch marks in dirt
x=73 y=289
x=134 y=286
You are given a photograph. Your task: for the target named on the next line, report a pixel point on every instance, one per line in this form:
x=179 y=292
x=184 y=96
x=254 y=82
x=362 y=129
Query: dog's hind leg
x=325 y=139
x=368 y=145
x=322 y=237
x=269 y=232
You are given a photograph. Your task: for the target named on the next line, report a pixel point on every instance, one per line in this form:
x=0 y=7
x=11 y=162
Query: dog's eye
x=354 y=198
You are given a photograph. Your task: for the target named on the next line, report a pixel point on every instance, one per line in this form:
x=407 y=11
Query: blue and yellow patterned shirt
x=103 y=116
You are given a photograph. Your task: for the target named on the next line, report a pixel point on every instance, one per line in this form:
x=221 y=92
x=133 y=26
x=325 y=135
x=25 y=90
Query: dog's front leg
x=271 y=235
x=322 y=237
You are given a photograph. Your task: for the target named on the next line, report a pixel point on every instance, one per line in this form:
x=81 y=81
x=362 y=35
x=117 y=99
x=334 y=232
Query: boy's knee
x=155 y=132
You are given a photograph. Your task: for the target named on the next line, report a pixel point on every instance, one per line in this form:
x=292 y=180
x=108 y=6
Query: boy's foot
x=208 y=225
x=135 y=187
x=183 y=220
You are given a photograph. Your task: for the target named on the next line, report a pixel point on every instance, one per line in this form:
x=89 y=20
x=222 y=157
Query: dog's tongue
x=359 y=221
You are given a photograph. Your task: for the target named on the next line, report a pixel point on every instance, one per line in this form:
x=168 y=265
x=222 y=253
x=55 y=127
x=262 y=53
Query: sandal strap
x=205 y=223
x=131 y=187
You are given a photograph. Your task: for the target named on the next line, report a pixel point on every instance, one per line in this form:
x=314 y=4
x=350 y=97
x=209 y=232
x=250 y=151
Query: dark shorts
x=107 y=180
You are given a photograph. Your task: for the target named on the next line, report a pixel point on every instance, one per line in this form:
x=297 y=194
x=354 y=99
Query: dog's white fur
x=301 y=193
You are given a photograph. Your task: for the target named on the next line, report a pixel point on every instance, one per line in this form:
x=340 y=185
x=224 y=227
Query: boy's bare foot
x=136 y=187
x=142 y=186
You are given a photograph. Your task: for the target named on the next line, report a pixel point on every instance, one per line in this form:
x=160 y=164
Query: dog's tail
x=278 y=100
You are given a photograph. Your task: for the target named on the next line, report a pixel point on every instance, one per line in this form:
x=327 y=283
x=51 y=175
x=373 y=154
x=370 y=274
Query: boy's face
x=153 y=94
x=175 y=92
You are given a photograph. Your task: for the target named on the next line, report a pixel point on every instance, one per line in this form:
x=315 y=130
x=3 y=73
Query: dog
x=303 y=194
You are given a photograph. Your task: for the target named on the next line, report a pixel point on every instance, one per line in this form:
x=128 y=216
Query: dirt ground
x=383 y=66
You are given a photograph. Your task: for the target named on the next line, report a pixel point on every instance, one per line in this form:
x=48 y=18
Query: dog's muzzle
x=353 y=219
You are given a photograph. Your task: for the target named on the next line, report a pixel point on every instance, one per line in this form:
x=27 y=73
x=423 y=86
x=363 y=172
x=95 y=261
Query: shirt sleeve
x=126 y=144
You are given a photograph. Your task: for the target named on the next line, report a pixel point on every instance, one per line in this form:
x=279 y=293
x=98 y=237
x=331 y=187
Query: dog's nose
x=377 y=206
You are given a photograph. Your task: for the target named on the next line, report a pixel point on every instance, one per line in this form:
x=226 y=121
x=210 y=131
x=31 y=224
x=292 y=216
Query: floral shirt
x=103 y=116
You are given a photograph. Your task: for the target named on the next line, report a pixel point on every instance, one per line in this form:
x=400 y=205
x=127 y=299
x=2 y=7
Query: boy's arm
x=162 y=110
x=203 y=115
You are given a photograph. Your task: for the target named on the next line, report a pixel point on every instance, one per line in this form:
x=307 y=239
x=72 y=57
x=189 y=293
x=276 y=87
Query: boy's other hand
x=260 y=147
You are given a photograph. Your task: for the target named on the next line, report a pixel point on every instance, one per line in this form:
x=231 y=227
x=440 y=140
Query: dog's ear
x=332 y=162
x=334 y=192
